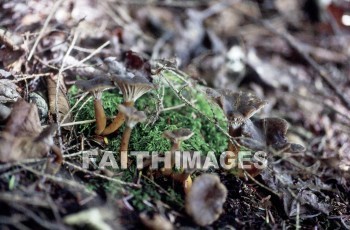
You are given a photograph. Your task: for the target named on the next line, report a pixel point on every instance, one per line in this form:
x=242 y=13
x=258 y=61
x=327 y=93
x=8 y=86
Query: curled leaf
x=62 y=102
x=24 y=120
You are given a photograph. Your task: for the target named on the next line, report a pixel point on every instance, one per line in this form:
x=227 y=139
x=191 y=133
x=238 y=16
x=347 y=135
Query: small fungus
x=204 y=201
x=132 y=89
x=176 y=137
x=96 y=86
x=132 y=116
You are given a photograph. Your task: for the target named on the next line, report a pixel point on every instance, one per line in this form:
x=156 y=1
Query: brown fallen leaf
x=24 y=120
x=24 y=147
x=11 y=55
x=23 y=136
x=8 y=92
x=62 y=102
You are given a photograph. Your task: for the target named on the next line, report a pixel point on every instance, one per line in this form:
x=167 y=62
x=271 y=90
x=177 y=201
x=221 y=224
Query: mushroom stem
x=100 y=116
x=118 y=120
x=182 y=177
x=175 y=147
x=124 y=146
x=233 y=149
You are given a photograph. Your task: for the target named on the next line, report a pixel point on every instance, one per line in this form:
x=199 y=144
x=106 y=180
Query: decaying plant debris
x=210 y=76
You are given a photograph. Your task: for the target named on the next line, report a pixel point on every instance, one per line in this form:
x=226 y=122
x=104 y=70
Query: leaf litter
x=291 y=54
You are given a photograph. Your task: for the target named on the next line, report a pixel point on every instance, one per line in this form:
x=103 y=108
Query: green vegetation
x=149 y=136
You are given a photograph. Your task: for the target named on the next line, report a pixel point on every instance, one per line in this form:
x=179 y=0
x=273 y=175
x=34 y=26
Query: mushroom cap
x=252 y=137
x=178 y=134
x=269 y=131
x=237 y=106
x=132 y=115
x=133 y=87
x=204 y=201
x=95 y=85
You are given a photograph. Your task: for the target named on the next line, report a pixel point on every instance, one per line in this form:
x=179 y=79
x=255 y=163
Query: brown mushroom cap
x=95 y=85
x=204 y=202
x=132 y=115
x=237 y=106
x=178 y=135
x=269 y=131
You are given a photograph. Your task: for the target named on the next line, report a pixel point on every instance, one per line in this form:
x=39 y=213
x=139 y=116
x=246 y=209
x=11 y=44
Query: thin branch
x=46 y=23
x=102 y=176
x=88 y=57
x=59 y=76
x=59 y=180
x=73 y=107
x=29 y=76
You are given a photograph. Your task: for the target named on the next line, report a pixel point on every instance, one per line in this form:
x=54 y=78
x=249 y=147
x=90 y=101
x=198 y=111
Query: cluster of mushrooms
x=206 y=196
x=267 y=134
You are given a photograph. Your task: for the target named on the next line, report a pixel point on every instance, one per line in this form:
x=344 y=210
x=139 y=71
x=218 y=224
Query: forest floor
x=206 y=64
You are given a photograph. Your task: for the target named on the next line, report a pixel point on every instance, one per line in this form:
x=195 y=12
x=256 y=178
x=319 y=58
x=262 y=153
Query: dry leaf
x=24 y=147
x=24 y=120
x=8 y=91
x=24 y=137
x=62 y=102
x=18 y=148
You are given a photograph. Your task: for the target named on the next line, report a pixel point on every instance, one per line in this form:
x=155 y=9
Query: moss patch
x=149 y=137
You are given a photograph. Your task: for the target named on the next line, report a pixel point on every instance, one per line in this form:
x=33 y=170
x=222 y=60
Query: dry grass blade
x=46 y=23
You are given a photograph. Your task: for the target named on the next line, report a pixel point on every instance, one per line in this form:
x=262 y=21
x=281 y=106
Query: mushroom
x=176 y=137
x=269 y=131
x=132 y=88
x=204 y=201
x=263 y=133
x=95 y=86
x=132 y=117
x=238 y=107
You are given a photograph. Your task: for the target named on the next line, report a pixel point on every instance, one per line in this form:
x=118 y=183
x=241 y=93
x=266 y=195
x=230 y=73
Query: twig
x=73 y=107
x=261 y=185
x=27 y=161
x=37 y=218
x=32 y=200
x=59 y=76
x=297 y=219
x=59 y=180
x=176 y=106
x=79 y=122
x=88 y=57
x=175 y=3
x=81 y=107
x=46 y=23
x=45 y=63
x=29 y=76
x=102 y=176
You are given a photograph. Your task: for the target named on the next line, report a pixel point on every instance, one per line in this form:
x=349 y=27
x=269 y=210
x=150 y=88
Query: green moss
x=149 y=137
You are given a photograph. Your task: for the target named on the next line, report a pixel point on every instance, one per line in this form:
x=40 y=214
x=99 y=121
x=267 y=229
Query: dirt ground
x=270 y=76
